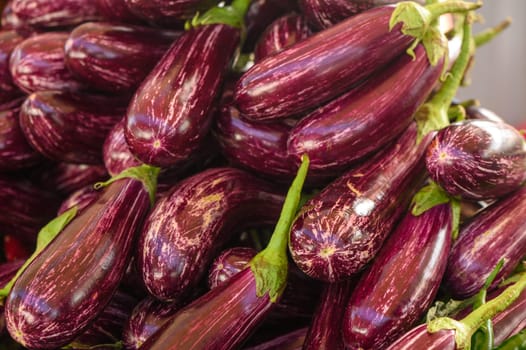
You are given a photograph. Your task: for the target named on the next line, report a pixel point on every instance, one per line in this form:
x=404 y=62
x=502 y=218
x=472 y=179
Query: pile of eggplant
x=255 y=174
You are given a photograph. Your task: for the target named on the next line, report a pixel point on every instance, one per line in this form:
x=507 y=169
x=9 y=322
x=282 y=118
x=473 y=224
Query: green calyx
x=147 y=174
x=270 y=266
x=232 y=15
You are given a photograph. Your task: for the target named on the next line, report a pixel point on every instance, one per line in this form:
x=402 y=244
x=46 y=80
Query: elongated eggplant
x=290 y=341
x=38 y=64
x=402 y=281
x=71 y=281
x=229 y=263
x=67 y=178
x=478 y=159
x=115 y=57
x=366 y=118
x=7 y=272
x=280 y=34
x=116 y=11
x=8 y=41
x=498 y=232
x=81 y=198
x=69 y=127
x=419 y=338
x=510 y=321
x=188 y=226
x=342 y=228
x=167 y=13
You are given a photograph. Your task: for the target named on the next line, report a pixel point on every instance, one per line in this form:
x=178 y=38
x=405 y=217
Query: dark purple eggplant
x=402 y=282
x=498 y=232
x=67 y=178
x=116 y=11
x=38 y=64
x=81 y=198
x=7 y=272
x=171 y=111
x=290 y=341
x=115 y=57
x=116 y=153
x=419 y=338
x=69 y=127
x=71 y=281
x=229 y=263
x=342 y=228
x=167 y=13
x=189 y=225
x=481 y=113
x=280 y=34
x=366 y=118
x=9 y=39
x=478 y=159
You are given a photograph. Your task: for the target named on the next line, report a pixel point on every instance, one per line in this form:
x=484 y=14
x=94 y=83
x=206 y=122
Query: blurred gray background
x=498 y=78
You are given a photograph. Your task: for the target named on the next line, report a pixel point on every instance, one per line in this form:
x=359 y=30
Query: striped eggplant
x=82 y=198
x=66 y=178
x=365 y=119
x=342 y=228
x=115 y=57
x=280 y=34
x=478 y=159
x=230 y=262
x=9 y=39
x=71 y=281
x=7 y=272
x=116 y=11
x=498 y=232
x=290 y=341
x=38 y=64
x=402 y=281
x=477 y=112
x=510 y=321
x=15 y=152
x=167 y=13
x=69 y=127
x=189 y=225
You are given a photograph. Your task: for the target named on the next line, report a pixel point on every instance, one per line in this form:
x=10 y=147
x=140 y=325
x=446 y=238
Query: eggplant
x=368 y=117
x=342 y=228
x=498 y=232
x=481 y=113
x=229 y=263
x=115 y=57
x=116 y=153
x=419 y=338
x=117 y=11
x=188 y=226
x=38 y=64
x=478 y=159
x=71 y=281
x=66 y=178
x=81 y=198
x=69 y=127
x=510 y=321
x=280 y=34
x=7 y=272
x=290 y=341
x=170 y=113
x=402 y=281
x=9 y=39
x=167 y=13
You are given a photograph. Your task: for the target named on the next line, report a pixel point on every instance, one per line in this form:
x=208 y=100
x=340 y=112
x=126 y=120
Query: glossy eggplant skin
x=115 y=57
x=8 y=270
x=296 y=79
x=38 y=64
x=167 y=13
x=81 y=198
x=116 y=11
x=366 y=118
x=72 y=280
x=280 y=34
x=69 y=127
x=170 y=113
x=189 y=225
x=9 y=39
x=498 y=232
x=478 y=159
x=229 y=263
x=290 y=341
x=66 y=178
x=402 y=281
x=419 y=338
x=342 y=228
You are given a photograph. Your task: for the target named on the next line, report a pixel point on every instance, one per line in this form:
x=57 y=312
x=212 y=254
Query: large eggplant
x=403 y=280
x=38 y=64
x=342 y=228
x=71 y=281
x=188 y=226
x=9 y=39
x=290 y=341
x=115 y=57
x=69 y=127
x=66 y=178
x=478 y=159
x=167 y=13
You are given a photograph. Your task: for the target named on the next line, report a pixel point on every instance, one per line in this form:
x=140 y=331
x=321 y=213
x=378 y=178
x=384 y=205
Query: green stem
x=489 y=34
x=440 y=8
x=232 y=15
x=517 y=342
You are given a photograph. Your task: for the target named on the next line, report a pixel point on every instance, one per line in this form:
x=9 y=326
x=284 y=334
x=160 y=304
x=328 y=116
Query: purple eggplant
x=115 y=57
x=290 y=341
x=280 y=34
x=8 y=270
x=38 y=64
x=69 y=127
x=478 y=159
x=67 y=178
x=481 y=113
x=229 y=263
x=81 y=198
x=419 y=338
x=72 y=280
x=171 y=111
x=498 y=232
x=342 y=228
x=116 y=153
x=401 y=283
x=510 y=321
x=9 y=39
x=167 y=13
x=116 y=11
x=188 y=226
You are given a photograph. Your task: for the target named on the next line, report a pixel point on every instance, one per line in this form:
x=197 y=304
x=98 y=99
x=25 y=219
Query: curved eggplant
x=229 y=263
x=115 y=57
x=478 y=159
x=188 y=226
x=419 y=338
x=9 y=39
x=82 y=198
x=67 y=178
x=280 y=34
x=290 y=341
x=402 y=281
x=116 y=11
x=498 y=232
x=342 y=228
x=69 y=127
x=167 y=13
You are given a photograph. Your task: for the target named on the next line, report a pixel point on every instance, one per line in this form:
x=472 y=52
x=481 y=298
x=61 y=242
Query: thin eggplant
x=117 y=11
x=72 y=280
x=115 y=57
x=478 y=159
x=188 y=226
x=66 y=178
x=69 y=127
x=342 y=228
x=280 y=34
x=38 y=64
x=167 y=13
x=9 y=39
x=81 y=198
x=229 y=263
x=7 y=272
x=290 y=341
x=402 y=282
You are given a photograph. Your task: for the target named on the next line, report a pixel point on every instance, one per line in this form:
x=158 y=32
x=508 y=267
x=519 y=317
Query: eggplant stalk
x=489 y=34
x=232 y=15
